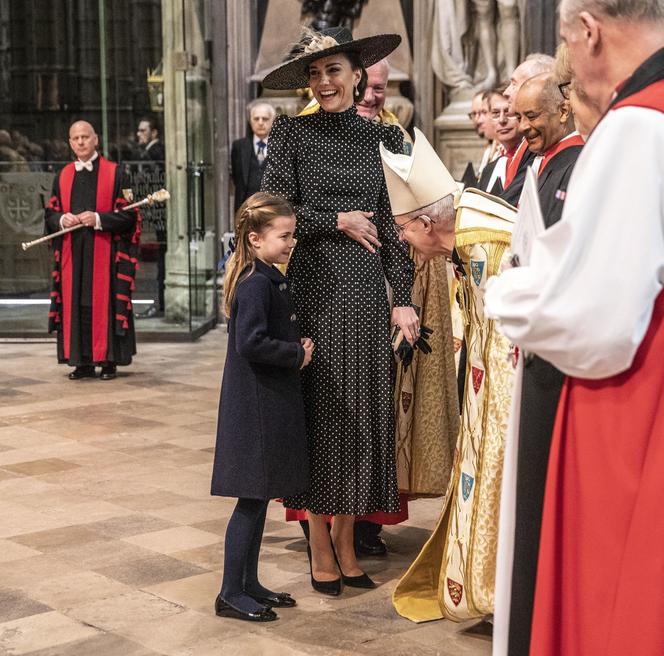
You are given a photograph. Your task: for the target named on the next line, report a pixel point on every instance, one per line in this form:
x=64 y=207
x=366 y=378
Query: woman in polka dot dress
x=328 y=166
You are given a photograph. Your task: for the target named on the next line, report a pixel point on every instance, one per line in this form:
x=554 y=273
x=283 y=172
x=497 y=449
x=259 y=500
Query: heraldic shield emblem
x=456 y=591
x=466 y=485
x=24 y=196
x=477 y=270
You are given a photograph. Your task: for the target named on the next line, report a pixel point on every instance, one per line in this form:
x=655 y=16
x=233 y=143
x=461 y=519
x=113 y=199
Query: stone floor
x=110 y=544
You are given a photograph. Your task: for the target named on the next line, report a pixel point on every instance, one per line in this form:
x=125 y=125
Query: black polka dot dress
x=326 y=163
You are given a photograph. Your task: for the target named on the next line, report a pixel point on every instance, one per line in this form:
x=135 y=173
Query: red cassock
x=383 y=518
x=600 y=579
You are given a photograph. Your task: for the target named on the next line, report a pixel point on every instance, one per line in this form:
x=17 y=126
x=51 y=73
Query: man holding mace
x=95 y=266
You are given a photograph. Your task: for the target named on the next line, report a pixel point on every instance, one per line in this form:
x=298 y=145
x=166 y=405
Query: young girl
x=261 y=451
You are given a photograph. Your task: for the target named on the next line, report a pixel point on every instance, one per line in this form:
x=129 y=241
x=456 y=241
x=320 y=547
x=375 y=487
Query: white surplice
x=586 y=300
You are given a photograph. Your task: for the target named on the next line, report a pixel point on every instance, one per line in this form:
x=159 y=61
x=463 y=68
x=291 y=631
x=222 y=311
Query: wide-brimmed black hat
x=294 y=73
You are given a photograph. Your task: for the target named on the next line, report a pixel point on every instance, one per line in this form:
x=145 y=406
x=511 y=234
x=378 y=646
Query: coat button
x=283 y=286
x=293 y=317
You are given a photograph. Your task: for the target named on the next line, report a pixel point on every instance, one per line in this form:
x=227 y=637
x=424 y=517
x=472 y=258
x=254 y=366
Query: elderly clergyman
x=422 y=196
x=453 y=575
x=580 y=306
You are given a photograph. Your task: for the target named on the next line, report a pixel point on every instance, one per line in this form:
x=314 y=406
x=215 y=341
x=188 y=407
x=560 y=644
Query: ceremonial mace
x=160 y=196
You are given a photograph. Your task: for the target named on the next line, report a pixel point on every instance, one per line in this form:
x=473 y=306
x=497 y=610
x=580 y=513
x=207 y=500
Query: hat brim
x=294 y=73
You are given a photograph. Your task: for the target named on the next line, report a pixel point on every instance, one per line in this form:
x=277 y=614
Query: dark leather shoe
x=224 y=609
x=108 y=372
x=374 y=547
x=276 y=600
x=82 y=372
x=332 y=588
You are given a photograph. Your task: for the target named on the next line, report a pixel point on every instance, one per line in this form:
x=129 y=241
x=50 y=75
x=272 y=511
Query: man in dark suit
x=248 y=154
x=153 y=154
x=149 y=141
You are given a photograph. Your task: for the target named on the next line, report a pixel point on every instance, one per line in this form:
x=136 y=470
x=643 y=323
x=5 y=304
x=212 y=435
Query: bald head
x=77 y=126
x=545 y=86
x=83 y=140
x=534 y=64
x=544 y=115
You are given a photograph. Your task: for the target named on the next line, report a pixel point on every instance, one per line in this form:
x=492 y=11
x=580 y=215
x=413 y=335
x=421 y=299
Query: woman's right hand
x=308 y=347
x=357 y=226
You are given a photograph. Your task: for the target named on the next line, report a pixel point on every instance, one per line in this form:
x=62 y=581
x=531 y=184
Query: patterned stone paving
x=110 y=544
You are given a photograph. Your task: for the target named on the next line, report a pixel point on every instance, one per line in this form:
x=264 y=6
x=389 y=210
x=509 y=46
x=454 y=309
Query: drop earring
x=356 y=93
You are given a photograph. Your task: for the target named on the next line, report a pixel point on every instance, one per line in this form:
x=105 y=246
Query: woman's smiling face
x=332 y=81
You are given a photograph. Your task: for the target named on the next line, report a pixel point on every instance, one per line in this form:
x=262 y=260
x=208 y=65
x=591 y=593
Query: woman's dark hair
x=356 y=63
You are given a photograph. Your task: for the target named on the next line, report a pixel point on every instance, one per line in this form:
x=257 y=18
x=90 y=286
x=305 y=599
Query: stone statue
x=332 y=13
x=476 y=43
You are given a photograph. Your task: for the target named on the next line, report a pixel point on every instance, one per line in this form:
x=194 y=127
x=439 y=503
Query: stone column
x=175 y=130
x=240 y=59
x=423 y=79
x=540 y=25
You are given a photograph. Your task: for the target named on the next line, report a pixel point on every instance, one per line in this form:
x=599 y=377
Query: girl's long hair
x=254 y=215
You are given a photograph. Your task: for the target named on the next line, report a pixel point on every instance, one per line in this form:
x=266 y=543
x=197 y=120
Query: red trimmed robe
x=591 y=303
x=600 y=581
x=94 y=270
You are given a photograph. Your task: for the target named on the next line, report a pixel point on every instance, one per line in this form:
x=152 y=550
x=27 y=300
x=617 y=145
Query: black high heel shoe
x=224 y=609
x=332 y=588
x=361 y=581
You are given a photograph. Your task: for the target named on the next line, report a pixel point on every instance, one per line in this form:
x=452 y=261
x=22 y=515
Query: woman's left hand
x=406 y=318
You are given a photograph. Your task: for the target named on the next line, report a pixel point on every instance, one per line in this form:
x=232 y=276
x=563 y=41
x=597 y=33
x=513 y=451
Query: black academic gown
x=120 y=343
x=542 y=384
x=513 y=192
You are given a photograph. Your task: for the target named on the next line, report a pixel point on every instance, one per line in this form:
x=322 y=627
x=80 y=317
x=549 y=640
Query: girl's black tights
x=244 y=534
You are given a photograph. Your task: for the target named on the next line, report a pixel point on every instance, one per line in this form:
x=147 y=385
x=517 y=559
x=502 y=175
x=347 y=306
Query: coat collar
x=270 y=271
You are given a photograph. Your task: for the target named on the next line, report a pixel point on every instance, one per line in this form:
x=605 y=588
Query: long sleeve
x=252 y=341
x=398 y=267
x=118 y=221
x=281 y=178
x=586 y=301
x=53 y=212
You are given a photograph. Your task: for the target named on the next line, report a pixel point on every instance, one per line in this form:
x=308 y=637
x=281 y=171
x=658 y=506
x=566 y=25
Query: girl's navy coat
x=261 y=450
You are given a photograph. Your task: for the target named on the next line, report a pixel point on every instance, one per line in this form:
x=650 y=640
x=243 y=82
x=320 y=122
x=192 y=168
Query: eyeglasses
x=565 y=89
x=473 y=115
x=497 y=115
x=402 y=228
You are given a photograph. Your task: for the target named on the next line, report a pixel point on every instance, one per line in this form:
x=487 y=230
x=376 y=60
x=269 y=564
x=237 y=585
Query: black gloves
x=404 y=351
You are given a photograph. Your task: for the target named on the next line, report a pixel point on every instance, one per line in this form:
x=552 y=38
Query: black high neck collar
x=347 y=116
